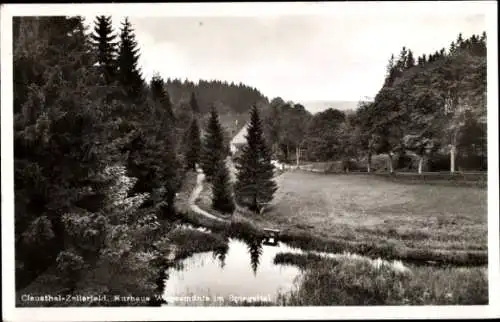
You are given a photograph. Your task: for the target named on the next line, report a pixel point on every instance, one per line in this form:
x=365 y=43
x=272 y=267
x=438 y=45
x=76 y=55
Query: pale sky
x=299 y=58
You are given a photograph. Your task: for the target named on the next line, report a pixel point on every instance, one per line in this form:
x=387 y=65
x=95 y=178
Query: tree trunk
x=287 y=153
x=420 y=164
x=391 y=169
x=452 y=159
x=297 y=153
x=369 y=164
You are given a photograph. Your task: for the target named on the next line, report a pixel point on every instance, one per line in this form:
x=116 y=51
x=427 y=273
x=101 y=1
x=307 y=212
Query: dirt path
x=199 y=188
x=194 y=195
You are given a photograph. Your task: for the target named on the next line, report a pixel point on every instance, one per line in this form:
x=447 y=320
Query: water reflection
x=254 y=247
x=228 y=273
x=220 y=254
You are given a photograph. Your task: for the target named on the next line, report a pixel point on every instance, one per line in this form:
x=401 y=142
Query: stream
x=246 y=272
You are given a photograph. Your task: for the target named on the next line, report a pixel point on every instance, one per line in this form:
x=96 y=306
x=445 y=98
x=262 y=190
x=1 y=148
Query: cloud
x=296 y=57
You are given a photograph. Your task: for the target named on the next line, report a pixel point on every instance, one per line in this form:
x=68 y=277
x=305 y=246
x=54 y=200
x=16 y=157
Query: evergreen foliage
x=106 y=47
x=255 y=186
x=222 y=197
x=129 y=75
x=78 y=213
x=213 y=147
x=193 y=145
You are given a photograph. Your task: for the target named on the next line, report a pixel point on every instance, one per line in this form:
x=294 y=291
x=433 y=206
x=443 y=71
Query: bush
x=405 y=162
x=439 y=162
x=472 y=162
x=69 y=265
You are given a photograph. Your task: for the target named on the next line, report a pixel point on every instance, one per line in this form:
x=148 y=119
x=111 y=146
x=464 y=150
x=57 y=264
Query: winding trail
x=199 y=188
x=194 y=195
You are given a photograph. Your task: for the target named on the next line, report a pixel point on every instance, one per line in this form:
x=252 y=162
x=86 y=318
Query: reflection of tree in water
x=254 y=247
x=220 y=254
x=160 y=284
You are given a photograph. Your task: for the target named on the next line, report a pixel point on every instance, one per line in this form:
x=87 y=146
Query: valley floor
x=367 y=208
x=372 y=216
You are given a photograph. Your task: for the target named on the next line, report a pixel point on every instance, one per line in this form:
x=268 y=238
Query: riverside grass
x=357 y=281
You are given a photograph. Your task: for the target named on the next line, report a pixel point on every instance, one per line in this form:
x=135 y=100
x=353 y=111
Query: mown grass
x=356 y=281
x=377 y=218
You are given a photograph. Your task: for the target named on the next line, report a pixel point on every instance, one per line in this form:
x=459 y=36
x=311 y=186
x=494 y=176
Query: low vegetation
x=189 y=241
x=356 y=281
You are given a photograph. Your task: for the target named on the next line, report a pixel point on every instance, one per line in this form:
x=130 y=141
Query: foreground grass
x=357 y=281
x=379 y=218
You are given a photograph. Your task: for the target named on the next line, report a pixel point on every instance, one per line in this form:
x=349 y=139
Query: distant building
x=239 y=140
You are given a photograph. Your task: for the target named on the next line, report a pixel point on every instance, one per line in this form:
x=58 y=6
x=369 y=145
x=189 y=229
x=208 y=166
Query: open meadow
x=367 y=209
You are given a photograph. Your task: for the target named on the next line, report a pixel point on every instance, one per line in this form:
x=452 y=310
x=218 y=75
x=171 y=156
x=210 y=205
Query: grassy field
x=425 y=220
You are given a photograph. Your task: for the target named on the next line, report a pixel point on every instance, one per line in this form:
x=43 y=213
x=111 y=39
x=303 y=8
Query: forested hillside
x=232 y=101
x=433 y=106
x=430 y=115
x=100 y=153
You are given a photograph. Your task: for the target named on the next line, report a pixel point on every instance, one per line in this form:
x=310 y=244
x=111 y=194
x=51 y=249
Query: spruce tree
x=255 y=186
x=410 y=60
x=105 y=47
x=195 y=108
x=160 y=96
x=193 y=145
x=213 y=145
x=152 y=157
x=401 y=63
x=453 y=48
x=222 y=199
x=460 y=41
x=60 y=140
x=390 y=72
x=129 y=75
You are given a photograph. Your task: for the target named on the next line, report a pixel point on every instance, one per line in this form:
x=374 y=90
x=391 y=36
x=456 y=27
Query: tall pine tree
x=60 y=140
x=410 y=60
x=193 y=145
x=152 y=157
x=255 y=186
x=222 y=199
x=213 y=145
x=129 y=74
x=103 y=40
x=193 y=103
x=161 y=97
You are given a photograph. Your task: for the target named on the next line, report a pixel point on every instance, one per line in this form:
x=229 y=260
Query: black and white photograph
x=257 y=155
